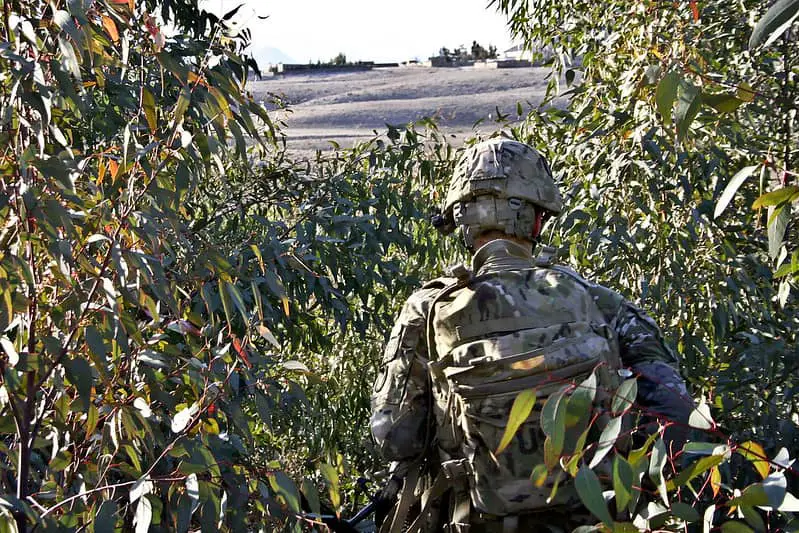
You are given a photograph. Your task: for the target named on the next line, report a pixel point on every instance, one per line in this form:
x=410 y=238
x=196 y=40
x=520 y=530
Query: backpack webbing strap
x=486 y=327
x=453 y=475
x=406 y=500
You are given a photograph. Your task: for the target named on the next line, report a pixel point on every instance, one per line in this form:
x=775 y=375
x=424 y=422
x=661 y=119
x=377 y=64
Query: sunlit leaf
x=695 y=469
x=723 y=103
x=148 y=105
x=522 y=407
x=624 y=398
x=755 y=453
x=539 y=475
x=701 y=418
x=10 y=350
x=774 y=23
x=606 y=440
x=732 y=187
x=330 y=474
x=110 y=28
x=183 y=417
x=784 y=194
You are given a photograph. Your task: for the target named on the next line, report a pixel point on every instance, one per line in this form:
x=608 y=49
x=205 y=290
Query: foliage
x=124 y=358
x=157 y=269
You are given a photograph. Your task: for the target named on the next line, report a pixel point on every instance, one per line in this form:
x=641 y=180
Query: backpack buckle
x=546 y=256
x=456 y=469
x=460 y=271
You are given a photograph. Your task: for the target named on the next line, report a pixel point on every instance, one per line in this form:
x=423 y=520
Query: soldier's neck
x=502 y=254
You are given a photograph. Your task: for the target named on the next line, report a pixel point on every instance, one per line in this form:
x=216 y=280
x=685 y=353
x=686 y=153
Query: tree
x=114 y=380
x=162 y=259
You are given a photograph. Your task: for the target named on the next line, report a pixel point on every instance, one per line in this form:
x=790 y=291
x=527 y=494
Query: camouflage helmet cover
x=495 y=186
x=506 y=169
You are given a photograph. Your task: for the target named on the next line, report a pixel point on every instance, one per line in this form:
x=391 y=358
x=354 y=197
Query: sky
x=364 y=30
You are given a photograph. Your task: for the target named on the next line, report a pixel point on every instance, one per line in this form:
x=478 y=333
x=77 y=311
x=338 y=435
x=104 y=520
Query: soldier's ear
x=538 y=225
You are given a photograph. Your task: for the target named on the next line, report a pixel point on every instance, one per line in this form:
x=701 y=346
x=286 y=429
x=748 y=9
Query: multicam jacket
x=400 y=399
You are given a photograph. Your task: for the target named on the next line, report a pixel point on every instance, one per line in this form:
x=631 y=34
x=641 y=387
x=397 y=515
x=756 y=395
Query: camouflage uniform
x=401 y=398
x=403 y=380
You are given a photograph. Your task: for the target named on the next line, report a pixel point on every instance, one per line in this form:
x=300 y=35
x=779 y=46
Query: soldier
x=464 y=347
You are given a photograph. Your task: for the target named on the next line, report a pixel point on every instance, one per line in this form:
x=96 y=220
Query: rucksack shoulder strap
x=439 y=283
x=607 y=300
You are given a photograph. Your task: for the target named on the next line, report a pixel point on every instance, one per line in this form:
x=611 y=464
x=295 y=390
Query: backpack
x=491 y=337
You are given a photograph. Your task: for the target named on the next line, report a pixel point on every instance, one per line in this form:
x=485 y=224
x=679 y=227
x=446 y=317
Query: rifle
x=380 y=504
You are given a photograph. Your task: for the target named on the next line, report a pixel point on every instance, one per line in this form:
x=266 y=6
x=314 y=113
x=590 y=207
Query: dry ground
x=347 y=107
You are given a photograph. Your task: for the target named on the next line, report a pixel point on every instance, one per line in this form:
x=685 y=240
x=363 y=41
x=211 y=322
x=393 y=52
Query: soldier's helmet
x=497 y=185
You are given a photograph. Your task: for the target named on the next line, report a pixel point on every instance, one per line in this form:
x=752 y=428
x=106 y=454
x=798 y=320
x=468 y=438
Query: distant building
x=537 y=55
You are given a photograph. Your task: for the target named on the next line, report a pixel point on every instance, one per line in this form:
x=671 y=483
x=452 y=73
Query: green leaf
x=607 y=440
x=79 y=373
x=312 y=495
x=706 y=448
x=590 y=492
x=148 y=105
x=665 y=95
x=753 y=518
x=774 y=23
x=549 y=413
x=182 y=105
x=639 y=453
x=785 y=194
x=330 y=474
x=683 y=511
x=551 y=455
x=625 y=396
x=238 y=301
x=622 y=482
x=735 y=527
x=688 y=104
x=786 y=269
x=61 y=461
x=732 y=187
x=723 y=103
x=694 y=469
x=777 y=226
x=657 y=461
x=579 y=407
x=106 y=519
x=227 y=305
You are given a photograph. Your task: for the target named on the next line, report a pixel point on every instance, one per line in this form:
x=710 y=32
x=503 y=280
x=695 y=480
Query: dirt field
x=346 y=107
